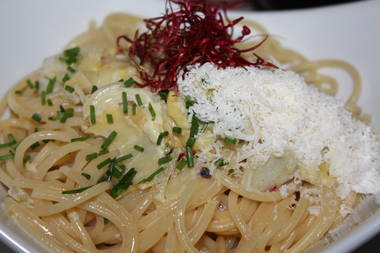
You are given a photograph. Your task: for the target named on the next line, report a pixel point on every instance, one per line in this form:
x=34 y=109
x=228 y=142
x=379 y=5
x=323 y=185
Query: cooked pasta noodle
x=214 y=214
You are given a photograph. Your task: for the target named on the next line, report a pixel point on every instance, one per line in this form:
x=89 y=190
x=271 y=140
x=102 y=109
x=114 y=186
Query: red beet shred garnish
x=197 y=31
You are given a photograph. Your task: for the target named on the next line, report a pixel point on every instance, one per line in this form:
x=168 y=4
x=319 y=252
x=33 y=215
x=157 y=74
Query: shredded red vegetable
x=196 y=31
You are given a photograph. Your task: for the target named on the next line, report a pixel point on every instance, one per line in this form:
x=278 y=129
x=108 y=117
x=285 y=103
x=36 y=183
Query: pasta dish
x=188 y=132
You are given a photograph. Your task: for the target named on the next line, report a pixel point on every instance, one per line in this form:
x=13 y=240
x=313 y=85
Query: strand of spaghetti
x=16 y=123
x=81 y=230
x=98 y=207
x=204 y=191
x=281 y=215
x=294 y=220
x=75 y=200
x=198 y=229
x=128 y=220
x=220 y=245
x=36 y=137
x=236 y=216
x=322 y=224
x=254 y=195
x=61 y=152
x=170 y=241
x=5 y=178
x=64 y=238
x=179 y=218
x=154 y=231
x=12 y=170
x=33 y=225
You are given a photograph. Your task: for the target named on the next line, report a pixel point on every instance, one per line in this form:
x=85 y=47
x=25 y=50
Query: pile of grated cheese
x=275 y=111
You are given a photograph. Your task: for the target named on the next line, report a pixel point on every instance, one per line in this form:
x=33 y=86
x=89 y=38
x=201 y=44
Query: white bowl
x=33 y=30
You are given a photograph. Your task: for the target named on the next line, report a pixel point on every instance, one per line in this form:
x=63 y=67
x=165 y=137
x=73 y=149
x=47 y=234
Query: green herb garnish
x=138 y=148
x=124 y=183
x=164 y=160
x=181 y=164
x=161 y=137
x=163 y=94
x=109 y=118
x=138 y=100
x=220 y=162
x=92 y=114
x=152 y=112
x=80 y=139
x=190 y=142
x=107 y=142
x=177 y=130
x=85 y=175
x=230 y=140
x=69 y=88
x=104 y=163
x=129 y=82
x=124 y=99
x=152 y=176
x=50 y=86
x=91 y=156
x=123 y=158
x=36 y=117
x=77 y=190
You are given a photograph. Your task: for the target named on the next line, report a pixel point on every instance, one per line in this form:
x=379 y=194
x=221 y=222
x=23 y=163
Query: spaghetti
x=54 y=164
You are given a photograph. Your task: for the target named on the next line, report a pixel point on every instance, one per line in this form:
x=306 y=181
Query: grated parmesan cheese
x=275 y=111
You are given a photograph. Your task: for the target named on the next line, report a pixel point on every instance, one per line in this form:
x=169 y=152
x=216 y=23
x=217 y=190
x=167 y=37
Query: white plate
x=33 y=30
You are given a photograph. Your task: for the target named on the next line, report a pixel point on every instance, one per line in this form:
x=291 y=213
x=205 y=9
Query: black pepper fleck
x=205 y=172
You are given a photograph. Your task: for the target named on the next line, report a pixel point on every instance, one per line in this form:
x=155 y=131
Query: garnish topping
x=196 y=31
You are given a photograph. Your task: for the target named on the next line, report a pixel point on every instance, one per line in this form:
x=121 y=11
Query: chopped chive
x=92 y=114
x=138 y=100
x=164 y=160
x=71 y=69
x=124 y=183
x=65 y=78
x=125 y=102
x=107 y=142
x=87 y=176
x=177 y=130
x=7 y=157
x=138 y=148
x=104 y=163
x=230 y=140
x=151 y=177
x=49 y=102
x=134 y=108
x=123 y=158
x=91 y=156
x=194 y=128
x=26 y=159
x=80 y=139
x=189 y=156
x=152 y=112
x=69 y=88
x=77 y=190
x=35 y=145
x=43 y=97
x=103 y=152
x=94 y=88
x=163 y=94
x=50 y=86
x=12 y=142
x=188 y=102
x=181 y=164
x=70 y=56
x=129 y=82
x=68 y=113
x=118 y=170
x=161 y=137
x=220 y=162
x=18 y=92
x=105 y=221
x=30 y=84
x=230 y=171
x=109 y=118
x=36 y=117
x=37 y=85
